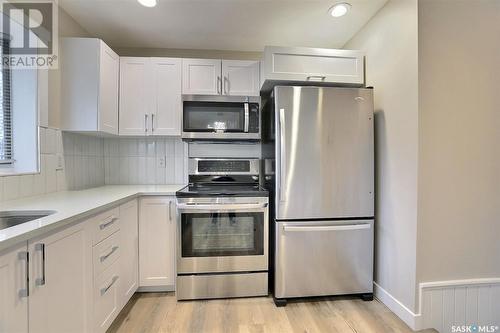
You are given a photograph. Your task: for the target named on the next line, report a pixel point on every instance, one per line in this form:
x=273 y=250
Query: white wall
x=459 y=182
x=390 y=42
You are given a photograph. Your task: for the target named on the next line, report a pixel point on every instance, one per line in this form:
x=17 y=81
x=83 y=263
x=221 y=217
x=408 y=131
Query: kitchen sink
x=15 y=217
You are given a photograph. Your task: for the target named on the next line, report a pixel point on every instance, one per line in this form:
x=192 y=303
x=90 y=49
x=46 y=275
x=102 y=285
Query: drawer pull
x=104 y=257
x=111 y=220
x=105 y=289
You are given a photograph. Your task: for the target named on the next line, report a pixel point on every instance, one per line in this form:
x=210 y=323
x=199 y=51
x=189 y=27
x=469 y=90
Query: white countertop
x=71 y=206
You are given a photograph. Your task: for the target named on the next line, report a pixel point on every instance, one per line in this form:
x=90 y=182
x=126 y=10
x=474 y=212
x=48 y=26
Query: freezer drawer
x=323 y=258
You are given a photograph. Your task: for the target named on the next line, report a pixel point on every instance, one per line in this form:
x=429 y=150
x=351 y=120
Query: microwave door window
x=222 y=234
x=213 y=117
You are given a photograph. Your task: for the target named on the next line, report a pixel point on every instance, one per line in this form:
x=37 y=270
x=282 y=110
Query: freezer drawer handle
x=327 y=228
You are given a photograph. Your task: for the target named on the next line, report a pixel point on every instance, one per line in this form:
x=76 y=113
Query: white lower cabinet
x=13 y=289
x=61 y=280
x=157 y=220
x=107 y=298
x=129 y=261
x=78 y=278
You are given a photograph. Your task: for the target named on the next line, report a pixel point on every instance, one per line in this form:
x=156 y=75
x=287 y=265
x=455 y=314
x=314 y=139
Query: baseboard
x=155 y=289
x=411 y=319
x=460 y=303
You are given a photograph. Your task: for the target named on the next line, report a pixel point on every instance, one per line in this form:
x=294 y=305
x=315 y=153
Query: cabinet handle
x=146 y=122
x=219 y=85
x=41 y=247
x=107 y=224
x=247 y=117
x=104 y=257
x=226 y=91
x=316 y=78
x=105 y=289
x=25 y=255
x=170 y=210
x=152 y=122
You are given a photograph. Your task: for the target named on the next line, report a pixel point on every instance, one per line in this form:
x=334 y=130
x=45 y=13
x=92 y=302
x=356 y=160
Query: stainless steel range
x=222 y=244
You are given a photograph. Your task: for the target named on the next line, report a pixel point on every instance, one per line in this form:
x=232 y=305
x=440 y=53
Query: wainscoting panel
x=474 y=303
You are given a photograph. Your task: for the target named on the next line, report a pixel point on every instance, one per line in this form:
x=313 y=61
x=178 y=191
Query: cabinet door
x=240 y=78
x=61 y=281
x=304 y=64
x=167 y=95
x=129 y=260
x=201 y=76
x=13 y=290
x=157 y=242
x=134 y=96
x=108 y=92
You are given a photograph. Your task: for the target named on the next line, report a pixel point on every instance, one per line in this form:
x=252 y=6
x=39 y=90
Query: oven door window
x=222 y=234
x=214 y=116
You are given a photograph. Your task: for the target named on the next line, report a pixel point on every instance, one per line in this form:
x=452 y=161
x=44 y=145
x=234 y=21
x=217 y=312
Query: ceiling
x=244 y=25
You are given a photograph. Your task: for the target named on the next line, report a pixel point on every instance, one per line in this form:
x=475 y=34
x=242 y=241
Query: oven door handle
x=216 y=207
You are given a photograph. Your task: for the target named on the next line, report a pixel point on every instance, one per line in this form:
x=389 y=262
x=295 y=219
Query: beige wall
x=188 y=53
x=459 y=165
x=68 y=27
x=390 y=42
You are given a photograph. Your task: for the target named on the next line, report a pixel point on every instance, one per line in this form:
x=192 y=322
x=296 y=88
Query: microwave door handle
x=247 y=117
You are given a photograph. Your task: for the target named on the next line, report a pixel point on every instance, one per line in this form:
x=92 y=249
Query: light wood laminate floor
x=160 y=312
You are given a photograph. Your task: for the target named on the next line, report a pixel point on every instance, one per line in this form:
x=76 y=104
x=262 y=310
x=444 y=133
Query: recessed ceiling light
x=147 y=3
x=339 y=9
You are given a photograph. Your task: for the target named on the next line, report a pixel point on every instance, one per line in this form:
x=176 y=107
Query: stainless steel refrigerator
x=318 y=149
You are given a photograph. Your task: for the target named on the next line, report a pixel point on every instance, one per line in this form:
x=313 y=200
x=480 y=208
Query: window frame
x=6 y=154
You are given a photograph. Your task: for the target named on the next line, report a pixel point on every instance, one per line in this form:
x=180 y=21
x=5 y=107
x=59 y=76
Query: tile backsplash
x=71 y=161
x=145 y=161
x=84 y=160
x=52 y=176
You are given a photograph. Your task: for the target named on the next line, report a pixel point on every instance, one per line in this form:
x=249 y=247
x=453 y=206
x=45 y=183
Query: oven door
x=222 y=235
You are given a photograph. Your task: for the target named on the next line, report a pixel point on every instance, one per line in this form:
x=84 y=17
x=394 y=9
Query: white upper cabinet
x=89 y=86
x=201 y=76
x=220 y=77
x=240 y=78
x=134 y=96
x=150 y=96
x=311 y=66
x=14 y=289
x=166 y=96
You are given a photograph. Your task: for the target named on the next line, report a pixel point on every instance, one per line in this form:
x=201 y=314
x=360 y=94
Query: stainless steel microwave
x=220 y=118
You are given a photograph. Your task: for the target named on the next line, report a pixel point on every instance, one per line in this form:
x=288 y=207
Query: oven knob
x=255 y=177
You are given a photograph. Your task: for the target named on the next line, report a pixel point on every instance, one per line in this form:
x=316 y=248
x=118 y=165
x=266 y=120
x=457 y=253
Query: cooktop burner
x=211 y=190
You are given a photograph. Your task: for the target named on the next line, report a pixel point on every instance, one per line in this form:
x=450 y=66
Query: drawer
x=106 y=298
x=105 y=253
x=319 y=258
x=105 y=224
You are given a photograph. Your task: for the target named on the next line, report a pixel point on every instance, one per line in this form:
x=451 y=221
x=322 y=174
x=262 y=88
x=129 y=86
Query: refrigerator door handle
x=282 y=179
x=327 y=228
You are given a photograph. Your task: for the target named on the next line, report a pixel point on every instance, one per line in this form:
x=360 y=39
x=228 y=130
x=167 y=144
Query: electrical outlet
x=162 y=162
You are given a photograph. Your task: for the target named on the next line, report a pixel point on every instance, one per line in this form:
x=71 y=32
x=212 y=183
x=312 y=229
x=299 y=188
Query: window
x=5 y=106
